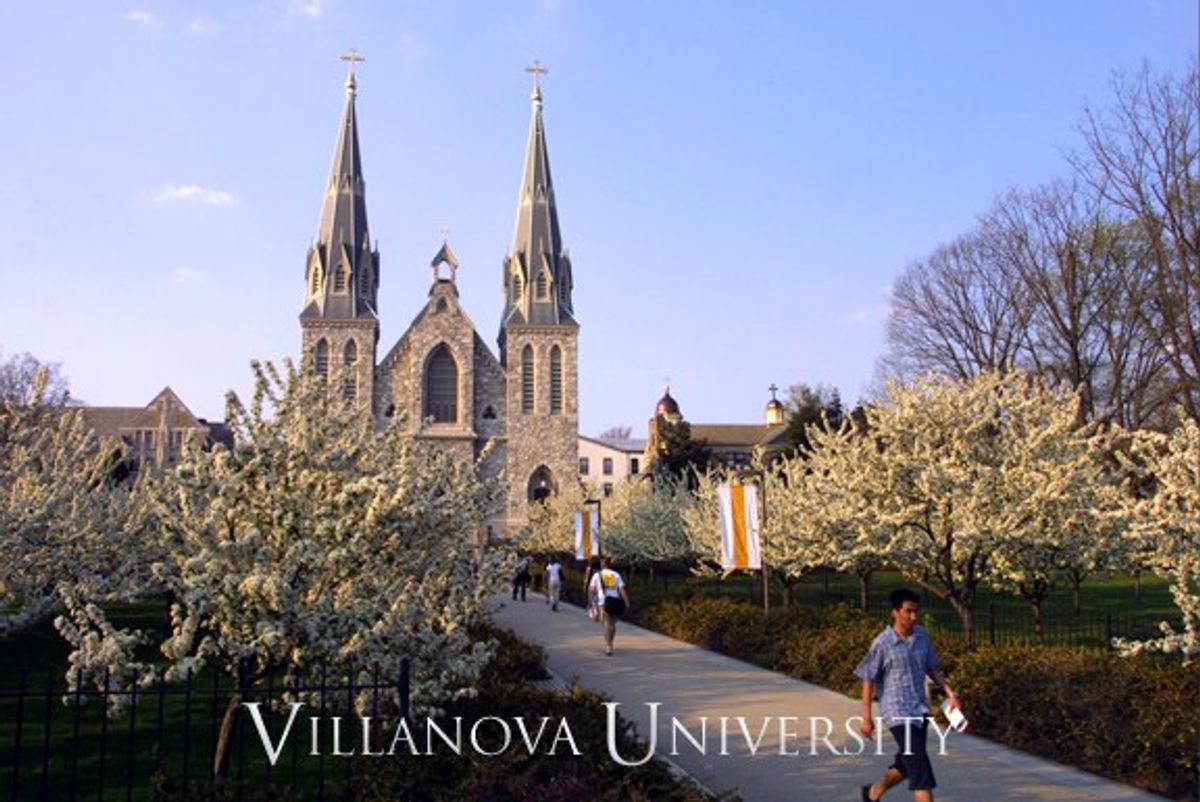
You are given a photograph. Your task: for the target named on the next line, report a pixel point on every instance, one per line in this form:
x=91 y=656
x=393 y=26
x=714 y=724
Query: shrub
x=723 y=625
x=827 y=651
x=1135 y=720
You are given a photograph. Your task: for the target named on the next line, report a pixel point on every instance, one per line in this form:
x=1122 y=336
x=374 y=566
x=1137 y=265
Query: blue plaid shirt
x=898 y=668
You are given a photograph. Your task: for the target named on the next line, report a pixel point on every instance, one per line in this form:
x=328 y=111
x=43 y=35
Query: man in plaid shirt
x=894 y=671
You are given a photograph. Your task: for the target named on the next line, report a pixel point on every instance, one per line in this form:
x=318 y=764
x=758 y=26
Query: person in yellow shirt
x=608 y=588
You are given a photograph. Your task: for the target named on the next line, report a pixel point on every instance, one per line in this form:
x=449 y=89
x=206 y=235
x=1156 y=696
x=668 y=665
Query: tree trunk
x=1137 y=586
x=966 y=615
x=225 y=739
x=1075 y=583
x=1037 y=618
x=864 y=588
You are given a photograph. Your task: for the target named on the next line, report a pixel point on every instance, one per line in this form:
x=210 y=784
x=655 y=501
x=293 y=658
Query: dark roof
x=738 y=435
x=630 y=445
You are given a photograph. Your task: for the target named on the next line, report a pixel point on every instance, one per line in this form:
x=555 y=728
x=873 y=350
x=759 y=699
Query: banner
x=739 y=527
x=587 y=534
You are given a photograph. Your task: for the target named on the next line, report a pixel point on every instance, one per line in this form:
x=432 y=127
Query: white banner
x=587 y=534
x=739 y=527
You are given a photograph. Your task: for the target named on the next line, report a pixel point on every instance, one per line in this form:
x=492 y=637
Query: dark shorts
x=912 y=761
x=614 y=606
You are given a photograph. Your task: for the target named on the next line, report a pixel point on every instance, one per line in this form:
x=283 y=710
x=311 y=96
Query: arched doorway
x=541 y=484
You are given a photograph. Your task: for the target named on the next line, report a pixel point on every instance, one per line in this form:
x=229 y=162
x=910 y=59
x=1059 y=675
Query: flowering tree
x=552 y=522
x=317 y=542
x=647 y=525
x=1167 y=529
x=820 y=515
x=64 y=525
x=956 y=477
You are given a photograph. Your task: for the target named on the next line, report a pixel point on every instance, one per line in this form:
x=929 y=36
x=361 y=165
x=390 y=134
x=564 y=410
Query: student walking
x=553 y=582
x=894 y=671
x=608 y=588
x=521 y=581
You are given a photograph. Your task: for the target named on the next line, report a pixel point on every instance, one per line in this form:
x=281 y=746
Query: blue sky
x=738 y=183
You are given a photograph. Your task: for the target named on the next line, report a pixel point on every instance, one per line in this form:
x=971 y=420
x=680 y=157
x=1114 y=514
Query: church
x=518 y=408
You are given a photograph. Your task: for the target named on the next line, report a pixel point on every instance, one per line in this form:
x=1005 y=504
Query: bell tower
x=539 y=337
x=340 y=321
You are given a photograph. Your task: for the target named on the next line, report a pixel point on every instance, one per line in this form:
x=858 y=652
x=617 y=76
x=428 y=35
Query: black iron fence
x=995 y=623
x=58 y=744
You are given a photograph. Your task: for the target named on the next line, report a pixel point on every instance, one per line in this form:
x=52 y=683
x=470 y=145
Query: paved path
x=691 y=683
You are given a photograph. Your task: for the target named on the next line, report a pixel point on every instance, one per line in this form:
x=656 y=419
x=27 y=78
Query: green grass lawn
x=1109 y=604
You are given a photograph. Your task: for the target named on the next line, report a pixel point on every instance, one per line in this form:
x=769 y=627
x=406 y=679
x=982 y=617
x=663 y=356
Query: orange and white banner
x=739 y=527
x=587 y=534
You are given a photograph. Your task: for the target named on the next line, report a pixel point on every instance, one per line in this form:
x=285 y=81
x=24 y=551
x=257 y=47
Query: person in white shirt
x=553 y=582
x=608 y=588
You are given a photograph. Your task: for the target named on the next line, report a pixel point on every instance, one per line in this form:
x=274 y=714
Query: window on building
x=321 y=358
x=608 y=488
x=555 y=380
x=339 y=279
x=562 y=291
x=543 y=285
x=349 y=388
x=633 y=465
x=607 y=466
x=489 y=412
x=315 y=279
x=527 y=379
x=350 y=354
x=441 y=386
x=364 y=284
x=516 y=287
x=584 y=466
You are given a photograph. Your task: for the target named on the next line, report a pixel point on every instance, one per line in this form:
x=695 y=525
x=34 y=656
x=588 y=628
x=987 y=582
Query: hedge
x=1136 y=720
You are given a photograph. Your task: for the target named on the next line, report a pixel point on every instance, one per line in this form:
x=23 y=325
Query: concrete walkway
x=691 y=683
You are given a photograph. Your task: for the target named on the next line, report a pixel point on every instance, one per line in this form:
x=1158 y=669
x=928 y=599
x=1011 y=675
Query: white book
x=958 y=721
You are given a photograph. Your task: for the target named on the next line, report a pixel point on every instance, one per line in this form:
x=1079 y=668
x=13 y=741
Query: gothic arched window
x=516 y=287
x=315 y=279
x=339 y=279
x=527 y=379
x=363 y=283
x=543 y=284
x=441 y=386
x=555 y=380
x=321 y=358
x=350 y=354
x=541 y=484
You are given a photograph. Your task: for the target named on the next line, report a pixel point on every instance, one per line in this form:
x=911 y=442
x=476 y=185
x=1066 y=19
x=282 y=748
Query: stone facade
x=520 y=412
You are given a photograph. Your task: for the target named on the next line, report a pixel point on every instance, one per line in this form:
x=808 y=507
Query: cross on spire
x=773 y=390
x=445 y=232
x=538 y=71
x=353 y=57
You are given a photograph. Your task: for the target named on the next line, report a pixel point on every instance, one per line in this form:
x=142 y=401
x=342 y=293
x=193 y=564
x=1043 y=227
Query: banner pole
x=762 y=514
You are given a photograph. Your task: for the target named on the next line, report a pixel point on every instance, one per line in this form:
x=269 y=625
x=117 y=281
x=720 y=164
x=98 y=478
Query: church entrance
x=541 y=484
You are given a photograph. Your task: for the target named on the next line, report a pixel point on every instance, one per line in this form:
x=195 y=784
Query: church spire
x=537 y=270
x=342 y=275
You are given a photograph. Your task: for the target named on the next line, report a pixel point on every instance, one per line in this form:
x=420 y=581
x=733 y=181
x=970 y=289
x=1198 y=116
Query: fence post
x=992 y=623
x=130 y=755
x=16 y=773
x=404 y=687
x=46 y=738
x=75 y=734
x=103 y=733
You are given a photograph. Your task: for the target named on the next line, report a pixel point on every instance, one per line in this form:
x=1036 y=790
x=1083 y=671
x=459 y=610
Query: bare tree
x=1142 y=156
x=617 y=433
x=18 y=378
x=955 y=313
x=1078 y=268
